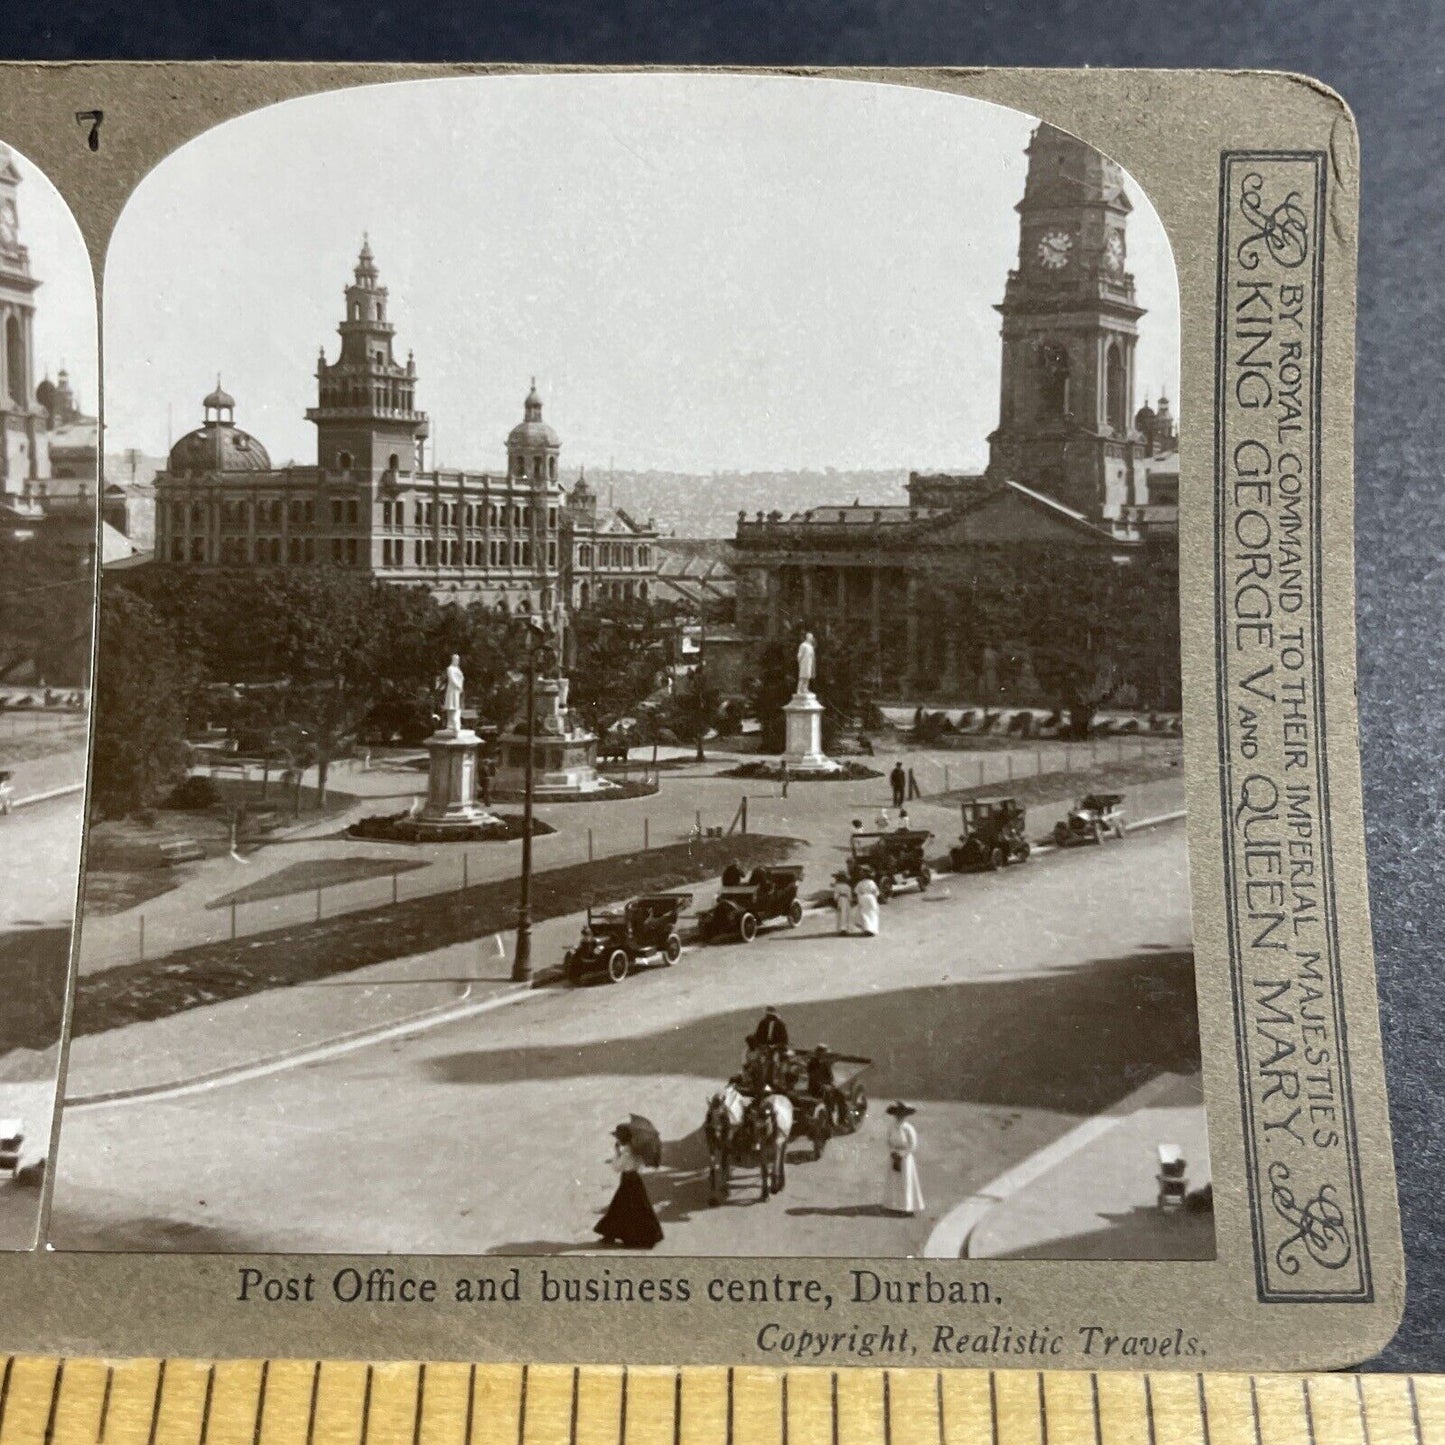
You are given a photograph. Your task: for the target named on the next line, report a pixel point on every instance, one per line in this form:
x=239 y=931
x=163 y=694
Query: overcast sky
x=65 y=303
x=703 y=272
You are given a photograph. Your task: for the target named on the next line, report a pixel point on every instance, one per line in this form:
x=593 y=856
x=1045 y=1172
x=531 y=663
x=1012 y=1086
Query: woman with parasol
x=630 y=1220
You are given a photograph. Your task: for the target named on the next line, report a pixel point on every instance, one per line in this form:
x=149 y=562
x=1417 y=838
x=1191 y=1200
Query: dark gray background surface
x=1387 y=60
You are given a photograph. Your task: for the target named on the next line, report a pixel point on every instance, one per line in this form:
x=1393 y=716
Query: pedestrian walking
x=630 y=1220
x=784 y=776
x=899 y=779
x=903 y=1194
x=843 y=902
x=485 y=774
x=866 y=892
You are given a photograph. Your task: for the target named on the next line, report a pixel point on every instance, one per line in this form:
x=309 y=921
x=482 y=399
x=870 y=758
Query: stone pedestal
x=564 y=757
x=452 y=782
x=803 y=719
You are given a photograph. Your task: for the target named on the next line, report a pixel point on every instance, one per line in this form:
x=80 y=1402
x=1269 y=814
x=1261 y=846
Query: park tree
x=773 y=684
x=47 y=592
x=140 y=686
x=619 y=650
x=696 y=708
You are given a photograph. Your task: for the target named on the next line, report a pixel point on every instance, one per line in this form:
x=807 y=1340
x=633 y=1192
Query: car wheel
x=1061 y=834
x=1023 y=852
x=748 y=927
x=617 y=965
x=925 y=877
x=672 y=949
x=859 y=1104
x=995 y=860
x=1098 y=831
x=795 y=913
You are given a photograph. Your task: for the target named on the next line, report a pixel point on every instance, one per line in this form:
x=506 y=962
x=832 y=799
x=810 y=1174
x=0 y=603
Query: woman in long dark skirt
x=629 y=1220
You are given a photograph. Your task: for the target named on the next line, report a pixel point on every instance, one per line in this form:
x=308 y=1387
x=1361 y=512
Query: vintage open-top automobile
x=12 y=1140
x=891 y=858
x=1092 y=819
x=770 y=891
x=993 y=834
x=615 y=940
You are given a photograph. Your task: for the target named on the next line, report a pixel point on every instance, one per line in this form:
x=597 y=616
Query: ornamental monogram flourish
x=1318 y=1224
x=1283 y=232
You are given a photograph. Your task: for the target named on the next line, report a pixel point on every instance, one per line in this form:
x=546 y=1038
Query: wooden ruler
x=44 y=1401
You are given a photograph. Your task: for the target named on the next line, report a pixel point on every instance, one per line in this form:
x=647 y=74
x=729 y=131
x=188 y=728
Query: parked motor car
x=993 y=835
x=1092 y=819
x=12 y=1138
x=744 y=905
x=891 y=857
x=616 y=940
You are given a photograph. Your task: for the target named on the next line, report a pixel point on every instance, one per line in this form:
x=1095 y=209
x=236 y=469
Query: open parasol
x=646 y=1142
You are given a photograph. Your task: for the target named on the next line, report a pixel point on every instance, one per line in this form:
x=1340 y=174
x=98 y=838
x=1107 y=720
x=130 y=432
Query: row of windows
x=465 y=514
x=344 y=551
x=451 y=552
x=614 y=554
x=540 y=467
x=611 y=591
x=347 y=512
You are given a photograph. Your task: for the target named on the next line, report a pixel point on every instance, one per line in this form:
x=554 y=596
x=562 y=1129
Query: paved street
x=188 y=914
x=40 y=849
x=1007 y=1007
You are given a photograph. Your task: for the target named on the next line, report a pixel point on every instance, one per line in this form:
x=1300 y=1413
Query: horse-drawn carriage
x=806 y=1099
x=890 y=858
x=613 y=941
x=744 y=905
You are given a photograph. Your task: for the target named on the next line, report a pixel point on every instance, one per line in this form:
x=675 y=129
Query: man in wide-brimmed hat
x=903 y=1194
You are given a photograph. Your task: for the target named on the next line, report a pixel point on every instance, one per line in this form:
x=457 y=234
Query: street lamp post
x=522 y=956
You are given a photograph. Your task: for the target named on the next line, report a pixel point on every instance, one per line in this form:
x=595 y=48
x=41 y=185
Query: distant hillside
x=691 y=505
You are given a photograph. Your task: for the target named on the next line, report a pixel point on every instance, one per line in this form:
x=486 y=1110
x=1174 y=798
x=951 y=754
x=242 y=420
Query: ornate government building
x=1072 y=465
x=369 y=503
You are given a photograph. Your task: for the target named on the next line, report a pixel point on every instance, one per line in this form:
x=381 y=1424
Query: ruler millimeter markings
x=80 y=1401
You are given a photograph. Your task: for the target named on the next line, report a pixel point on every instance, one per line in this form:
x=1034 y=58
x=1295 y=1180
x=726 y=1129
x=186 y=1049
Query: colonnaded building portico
x=1074 y=469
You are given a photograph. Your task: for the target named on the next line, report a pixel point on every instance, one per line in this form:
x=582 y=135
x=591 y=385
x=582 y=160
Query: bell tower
x=1070 y=324
x=366 y=419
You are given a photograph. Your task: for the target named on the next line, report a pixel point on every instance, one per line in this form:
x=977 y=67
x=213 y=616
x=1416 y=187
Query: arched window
x=583 y=595
x=642 y=590
x=1053 y=380
x=1116 y=402
x=393 y=462
x=551 y=469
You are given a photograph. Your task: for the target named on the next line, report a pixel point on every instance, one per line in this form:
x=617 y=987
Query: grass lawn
x=302 y=953
x=1060 y=786
x=68 y=735
x=315 y=873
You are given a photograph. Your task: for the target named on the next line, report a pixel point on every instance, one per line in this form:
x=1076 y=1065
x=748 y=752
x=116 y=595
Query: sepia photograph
x=49 y=511
x=638 y=684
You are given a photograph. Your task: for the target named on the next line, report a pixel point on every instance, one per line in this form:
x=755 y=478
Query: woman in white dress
x=867 y=895
x=843 y=902
x=903 y=1194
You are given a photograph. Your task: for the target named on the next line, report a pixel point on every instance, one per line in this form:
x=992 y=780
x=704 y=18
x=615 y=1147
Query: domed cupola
x=218 y=445
x=532 y=445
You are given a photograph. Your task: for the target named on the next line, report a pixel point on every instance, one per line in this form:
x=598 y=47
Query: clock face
x=1054 y=248
x=1114 y=252
x=9 y=223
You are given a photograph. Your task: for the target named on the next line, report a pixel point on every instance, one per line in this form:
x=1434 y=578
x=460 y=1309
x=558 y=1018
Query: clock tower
x=366 y=419
x=1070 y=323
x=24 y=444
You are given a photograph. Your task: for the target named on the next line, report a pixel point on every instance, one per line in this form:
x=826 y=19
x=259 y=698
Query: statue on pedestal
x=452 y=701
x=807 y=655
